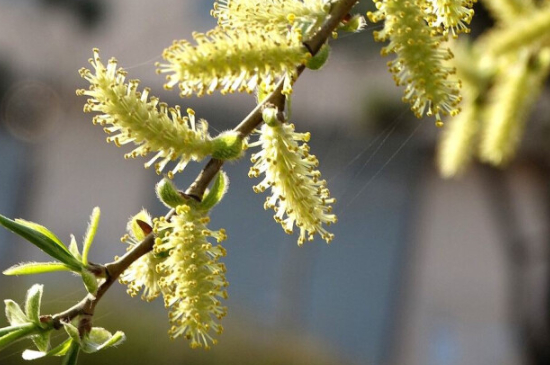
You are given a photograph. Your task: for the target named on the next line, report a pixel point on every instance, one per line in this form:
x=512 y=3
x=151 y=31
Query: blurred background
x=423 y=271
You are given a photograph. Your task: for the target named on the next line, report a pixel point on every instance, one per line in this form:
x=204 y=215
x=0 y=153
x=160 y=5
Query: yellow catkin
x=278 y=15
x=232 y=61
x=131 y=116
x=421 y=59
x=457 y=144
x=506 y=11
x=528 y=31
x=514 y=92
x=299 y=196
x=193 y=280
x=450 y=16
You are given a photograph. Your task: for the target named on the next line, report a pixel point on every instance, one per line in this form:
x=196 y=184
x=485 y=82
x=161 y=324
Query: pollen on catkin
x=450 y=16
x=129 y=115
x=193 y=279
x=280 y=15
x=420 y=64
x=232 y=61
x=298 y=195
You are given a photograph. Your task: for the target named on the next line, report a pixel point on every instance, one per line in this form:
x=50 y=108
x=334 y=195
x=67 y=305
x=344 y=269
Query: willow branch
x=276 y=98
x=111 y=271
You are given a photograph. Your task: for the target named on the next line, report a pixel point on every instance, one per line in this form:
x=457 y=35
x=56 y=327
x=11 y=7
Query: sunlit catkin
x=232 y=61
x=131 y=116
x=298 y=194
x=193 y=278
x=420 y=64
x=277 y=15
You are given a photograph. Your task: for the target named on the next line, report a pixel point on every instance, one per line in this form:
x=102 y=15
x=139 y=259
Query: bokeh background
x=423 y=271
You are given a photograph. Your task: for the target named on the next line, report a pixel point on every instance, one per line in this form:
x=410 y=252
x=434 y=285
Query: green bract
x=168 y=194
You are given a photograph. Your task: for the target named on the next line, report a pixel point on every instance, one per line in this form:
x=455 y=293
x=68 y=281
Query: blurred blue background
x=417 y=273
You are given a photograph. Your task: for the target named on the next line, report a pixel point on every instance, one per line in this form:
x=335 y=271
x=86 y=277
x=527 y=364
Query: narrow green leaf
x=90 y=234
x=31 y=268
x=32 y=303
x=90 y=281
x=6 y=330
x=73 y=248
x=43 y=241
x=59 y=350
x=40 y=228
x=71 y=357
x=15 y=336
x=217 y=192
x=14 y=313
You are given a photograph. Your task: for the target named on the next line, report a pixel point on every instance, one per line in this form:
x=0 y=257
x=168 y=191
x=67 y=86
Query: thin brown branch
x=276 y=98
x=86 y=307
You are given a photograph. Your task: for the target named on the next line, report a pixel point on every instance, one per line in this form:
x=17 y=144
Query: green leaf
x=42 y=340
x=71 y=357
x=32 y=303
x=90 y=234
x=17 y=335
x=73 y=248
x=6 y=330
x=99 y=339
x=40 y=228
x=90 y=281
x=31 y=268
x=217 y=192
x=45 y=241
x=59 y=350
x=14 y=313
x=168 y=194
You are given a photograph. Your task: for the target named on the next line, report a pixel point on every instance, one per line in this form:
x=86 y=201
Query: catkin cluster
x=503 y=72
x=255 y=44
x=184 y=268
